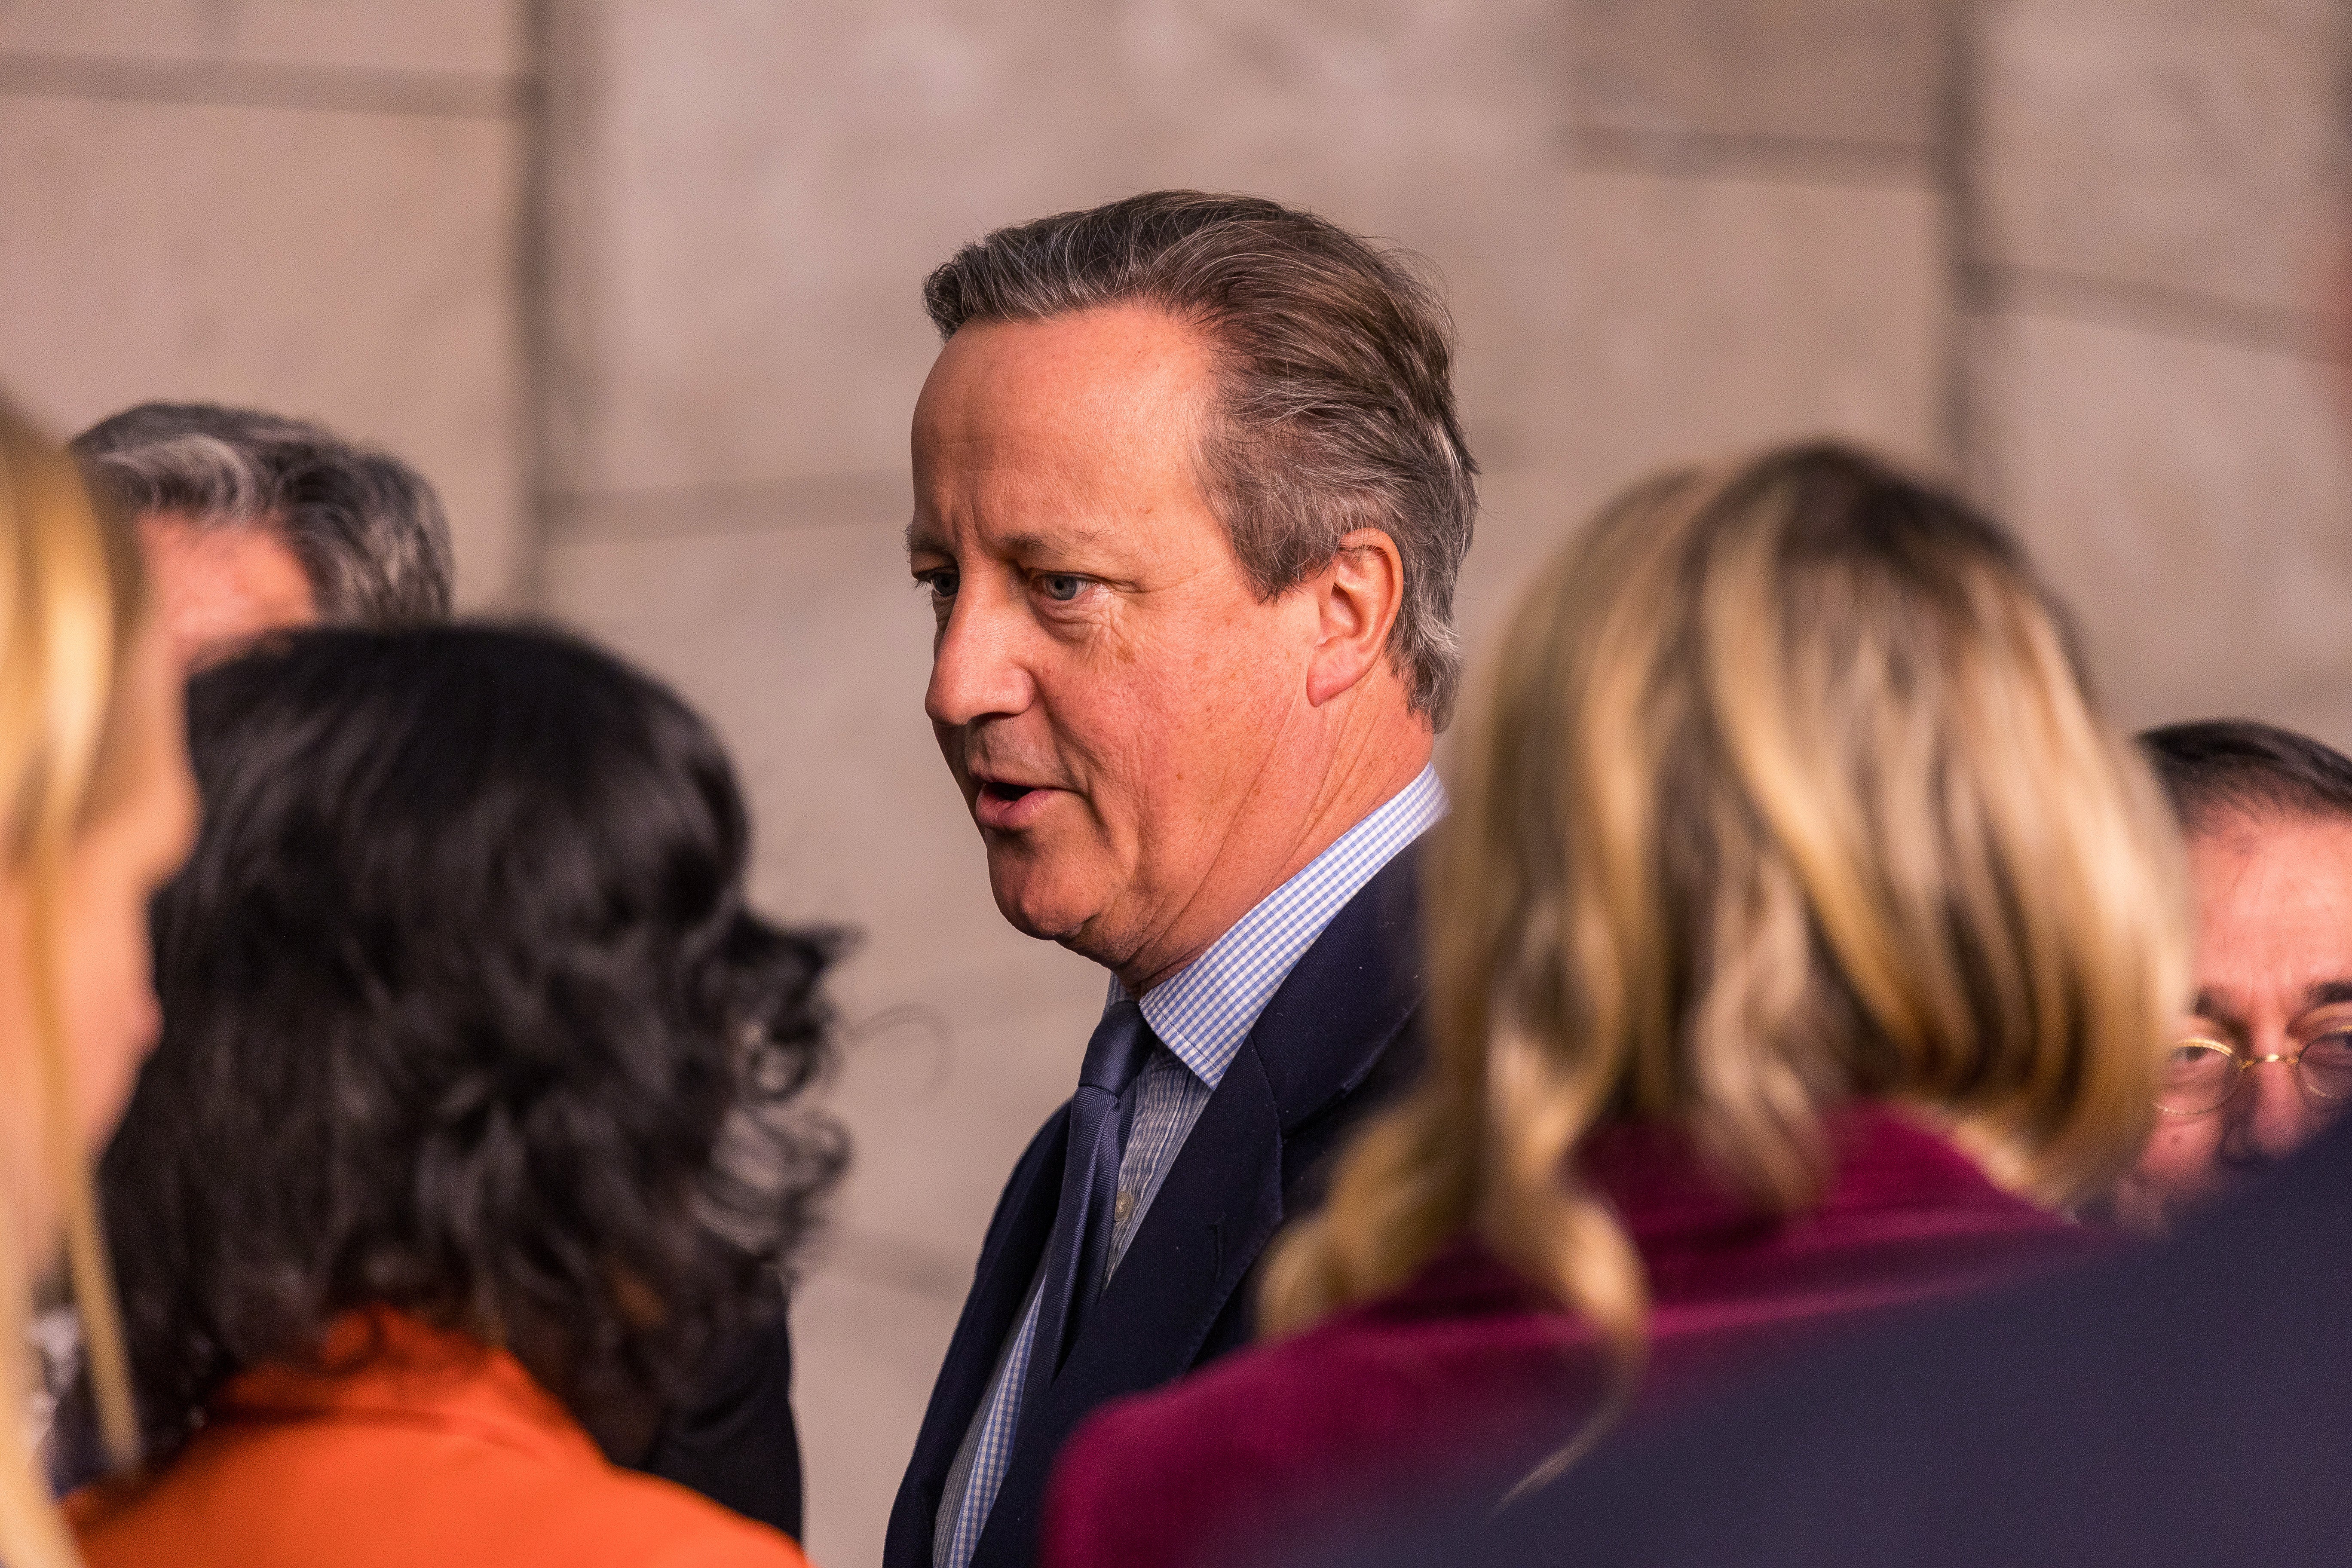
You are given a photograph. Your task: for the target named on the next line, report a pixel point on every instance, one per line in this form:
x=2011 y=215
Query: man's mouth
x=1006 y=803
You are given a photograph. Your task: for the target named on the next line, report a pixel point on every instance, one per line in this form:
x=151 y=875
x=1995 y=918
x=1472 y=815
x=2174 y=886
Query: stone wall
x=637 y=281
x=1668 y=227
x=311 y=204
x=2154 y=225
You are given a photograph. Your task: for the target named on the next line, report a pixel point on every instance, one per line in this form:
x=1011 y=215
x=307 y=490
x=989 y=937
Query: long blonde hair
x=1785 y=790
x=72 y=598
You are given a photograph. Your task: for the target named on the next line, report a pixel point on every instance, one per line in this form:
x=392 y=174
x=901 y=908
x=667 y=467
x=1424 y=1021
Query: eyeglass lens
x=2200 y=1076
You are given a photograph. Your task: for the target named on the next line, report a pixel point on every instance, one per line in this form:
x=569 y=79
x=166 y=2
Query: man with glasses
x=2267 y=1062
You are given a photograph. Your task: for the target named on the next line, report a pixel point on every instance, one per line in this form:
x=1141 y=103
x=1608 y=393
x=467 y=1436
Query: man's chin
x=1047 y=924
x=1035 y=907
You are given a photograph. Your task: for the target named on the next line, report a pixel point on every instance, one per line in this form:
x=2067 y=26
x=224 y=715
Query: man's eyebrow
x=920 y=537
x=2208 y=1006
x=2328 y=993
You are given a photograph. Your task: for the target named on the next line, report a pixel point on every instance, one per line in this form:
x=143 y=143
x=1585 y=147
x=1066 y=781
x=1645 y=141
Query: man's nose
x=976 y=670
x=2270 y=1116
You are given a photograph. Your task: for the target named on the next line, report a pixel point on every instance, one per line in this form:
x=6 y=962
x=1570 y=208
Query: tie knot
x=1116 y=1053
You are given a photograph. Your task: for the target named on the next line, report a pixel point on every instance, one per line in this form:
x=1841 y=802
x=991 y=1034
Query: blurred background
x=635 y=282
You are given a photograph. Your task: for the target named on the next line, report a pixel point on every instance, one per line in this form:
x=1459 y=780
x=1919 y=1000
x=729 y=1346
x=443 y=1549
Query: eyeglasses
x=2201 y=1074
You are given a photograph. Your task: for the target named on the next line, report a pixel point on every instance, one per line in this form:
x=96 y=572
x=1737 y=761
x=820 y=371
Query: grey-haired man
x=255 y=522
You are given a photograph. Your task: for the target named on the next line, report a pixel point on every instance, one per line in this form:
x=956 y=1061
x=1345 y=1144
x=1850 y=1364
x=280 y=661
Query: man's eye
x=1061 y=587
x=2333 y=1048
x=942 y=583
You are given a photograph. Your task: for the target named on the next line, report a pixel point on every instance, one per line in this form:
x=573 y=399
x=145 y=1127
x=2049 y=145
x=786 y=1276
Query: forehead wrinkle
x=924 y=536
x=1053 y=538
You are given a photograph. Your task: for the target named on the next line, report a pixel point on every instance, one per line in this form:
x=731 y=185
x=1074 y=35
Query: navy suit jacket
x=1338 y=1039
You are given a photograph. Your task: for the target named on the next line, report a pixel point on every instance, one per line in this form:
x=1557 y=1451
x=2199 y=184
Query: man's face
x=220 y=586
x=2273 y=974
x=1110 y=694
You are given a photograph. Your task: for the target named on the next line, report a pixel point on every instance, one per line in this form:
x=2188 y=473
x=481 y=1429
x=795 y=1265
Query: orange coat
x=436 y=1454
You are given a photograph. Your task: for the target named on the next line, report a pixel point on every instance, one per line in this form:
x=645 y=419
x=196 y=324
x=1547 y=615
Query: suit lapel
x=1218 y=1208
x=1348 y=996
x=1008 y=1261
x=1326 y=1027
x=1222 y=1200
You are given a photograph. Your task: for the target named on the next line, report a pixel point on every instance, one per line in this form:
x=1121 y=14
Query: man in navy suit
x=1189 y=498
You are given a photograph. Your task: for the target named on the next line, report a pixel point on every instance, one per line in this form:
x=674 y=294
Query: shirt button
x=1121 y=1209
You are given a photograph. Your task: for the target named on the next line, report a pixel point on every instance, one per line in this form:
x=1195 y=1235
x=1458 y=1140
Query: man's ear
x=1356 y=598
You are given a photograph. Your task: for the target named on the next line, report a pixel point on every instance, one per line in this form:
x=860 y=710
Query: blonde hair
x=72 y=599
x=1785 y=790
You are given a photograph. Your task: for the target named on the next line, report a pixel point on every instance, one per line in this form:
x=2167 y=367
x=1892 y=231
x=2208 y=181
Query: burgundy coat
x=1469 y=1365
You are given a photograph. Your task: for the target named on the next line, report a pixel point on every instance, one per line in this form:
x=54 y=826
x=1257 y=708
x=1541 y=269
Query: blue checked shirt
x=1200 y=1017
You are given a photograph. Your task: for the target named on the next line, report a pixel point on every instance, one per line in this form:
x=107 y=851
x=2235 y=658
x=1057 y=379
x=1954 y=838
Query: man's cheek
x=2182 y=1152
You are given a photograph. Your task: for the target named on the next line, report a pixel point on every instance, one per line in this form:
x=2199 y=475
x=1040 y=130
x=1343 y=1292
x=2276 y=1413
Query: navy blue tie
x=1078 y=1252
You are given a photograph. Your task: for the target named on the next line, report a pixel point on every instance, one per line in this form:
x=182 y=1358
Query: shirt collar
x=1204 y=1011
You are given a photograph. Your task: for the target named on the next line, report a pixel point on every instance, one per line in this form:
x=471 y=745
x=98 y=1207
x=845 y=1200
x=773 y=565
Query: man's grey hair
x=366 y=528
x=1336 y=387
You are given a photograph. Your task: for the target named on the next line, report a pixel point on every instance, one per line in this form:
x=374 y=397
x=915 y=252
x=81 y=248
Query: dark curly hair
x=464 y=1013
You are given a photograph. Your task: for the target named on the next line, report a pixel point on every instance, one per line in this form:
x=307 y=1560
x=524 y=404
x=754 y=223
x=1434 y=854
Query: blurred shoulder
x=297 y=1497
x=1457 y=1361
x=659 y=1523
